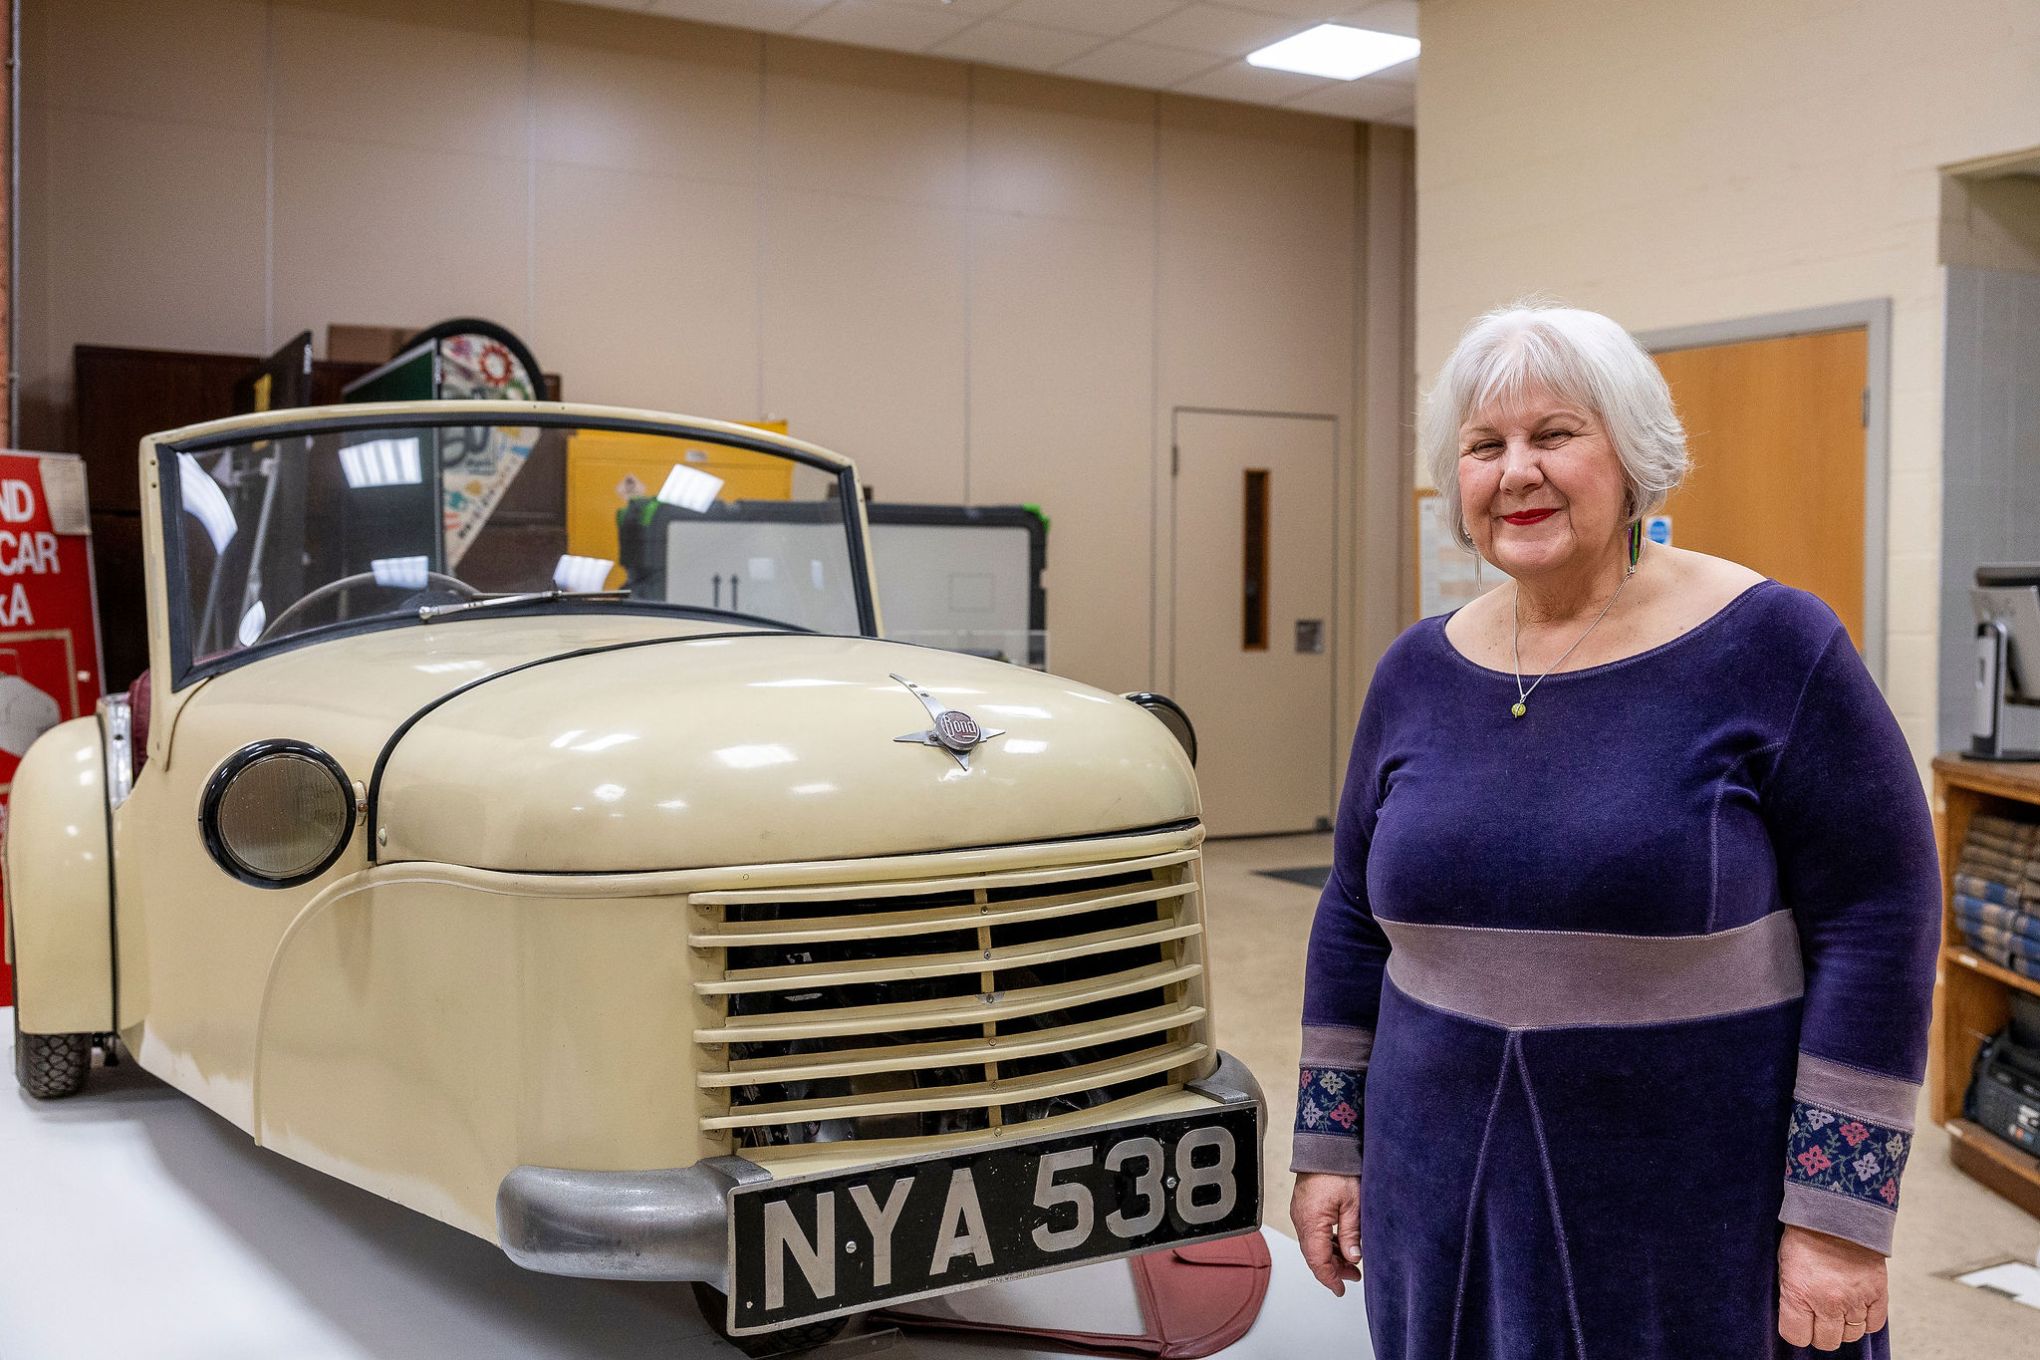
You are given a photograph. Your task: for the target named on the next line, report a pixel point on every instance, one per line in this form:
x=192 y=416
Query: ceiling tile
x=1126 y=62
x=1386 y=16
x=1361 y=99
x=880 y=23
x=1089 y=16
x=1296 y=9
x=1402 y=73
x=967 y=9
x=997 y=42
x=1217 y=28
x=777 y=16
x=1237 y=80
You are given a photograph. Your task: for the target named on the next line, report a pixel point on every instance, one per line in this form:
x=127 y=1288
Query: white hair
x=1576 y=356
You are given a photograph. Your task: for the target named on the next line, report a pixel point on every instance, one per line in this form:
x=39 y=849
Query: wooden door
x=1252 y=595
x=1776 y=430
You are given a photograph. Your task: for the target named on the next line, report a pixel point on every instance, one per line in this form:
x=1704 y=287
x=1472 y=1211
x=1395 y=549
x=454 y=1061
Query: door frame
x=1873 y=315
x=1336 y=652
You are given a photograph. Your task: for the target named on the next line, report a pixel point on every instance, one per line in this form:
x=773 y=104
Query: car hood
x=693 y=752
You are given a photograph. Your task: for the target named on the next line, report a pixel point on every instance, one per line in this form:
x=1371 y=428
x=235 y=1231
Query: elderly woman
x=1616 y=1003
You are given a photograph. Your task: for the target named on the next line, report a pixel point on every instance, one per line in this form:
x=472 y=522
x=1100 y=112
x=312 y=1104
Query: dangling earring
x=1478 y=562
x=1635 y=546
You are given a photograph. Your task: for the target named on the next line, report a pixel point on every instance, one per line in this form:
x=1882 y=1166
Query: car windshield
x=381 y=523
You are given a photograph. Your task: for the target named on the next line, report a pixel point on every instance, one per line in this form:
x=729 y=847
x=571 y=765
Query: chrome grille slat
x=961 y=1097
x=878 y=925
x=802 y=978
x=883 y=1009
x=858 y=1062
x=1012 y=1005
x=920 y=887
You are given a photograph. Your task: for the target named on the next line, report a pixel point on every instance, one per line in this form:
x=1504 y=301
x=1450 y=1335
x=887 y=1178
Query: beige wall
x=983 y=285
x=1675 y=164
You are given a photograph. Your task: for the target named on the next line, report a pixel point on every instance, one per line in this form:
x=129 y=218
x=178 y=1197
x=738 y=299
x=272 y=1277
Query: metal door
x=1252 y=599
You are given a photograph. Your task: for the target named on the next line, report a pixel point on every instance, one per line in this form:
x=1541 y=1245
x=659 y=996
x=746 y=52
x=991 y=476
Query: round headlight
x=1171 y=715
x=277 y=813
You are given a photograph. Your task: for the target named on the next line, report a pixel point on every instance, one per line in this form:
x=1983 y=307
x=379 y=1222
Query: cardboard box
x=365 y=344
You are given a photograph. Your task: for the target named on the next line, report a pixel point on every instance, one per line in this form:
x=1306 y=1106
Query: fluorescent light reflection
x=1336 y=52
x=603 y=743
x=753 y=757
x=381 y=462
x=581 y=573
x=690 y=488
x=404 y=573
x=251 y=624
x=204 y=500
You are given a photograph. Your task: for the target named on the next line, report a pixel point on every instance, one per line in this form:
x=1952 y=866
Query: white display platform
x=134 y=1222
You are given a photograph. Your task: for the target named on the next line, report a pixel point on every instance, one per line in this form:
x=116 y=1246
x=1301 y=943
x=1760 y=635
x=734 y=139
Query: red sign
x=49 y=635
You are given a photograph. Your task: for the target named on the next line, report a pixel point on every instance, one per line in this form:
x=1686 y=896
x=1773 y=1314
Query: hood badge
x=955 y=731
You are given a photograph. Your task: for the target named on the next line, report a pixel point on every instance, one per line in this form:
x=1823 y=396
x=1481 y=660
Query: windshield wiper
x=428 y=612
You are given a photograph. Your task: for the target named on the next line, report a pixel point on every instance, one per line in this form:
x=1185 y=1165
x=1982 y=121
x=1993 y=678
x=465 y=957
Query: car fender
x=59 y=890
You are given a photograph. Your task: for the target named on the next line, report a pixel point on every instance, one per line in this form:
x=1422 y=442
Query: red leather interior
x=138 y=723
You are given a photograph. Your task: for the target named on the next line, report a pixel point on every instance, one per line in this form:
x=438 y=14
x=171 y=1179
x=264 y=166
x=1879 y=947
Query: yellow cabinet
x=606 y=468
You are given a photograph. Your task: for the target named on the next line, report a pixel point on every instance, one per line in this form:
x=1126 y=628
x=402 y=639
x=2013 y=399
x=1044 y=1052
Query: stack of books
x=1997 y=892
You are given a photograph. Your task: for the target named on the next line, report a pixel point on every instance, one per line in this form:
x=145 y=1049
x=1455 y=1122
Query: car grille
x=923 y=1007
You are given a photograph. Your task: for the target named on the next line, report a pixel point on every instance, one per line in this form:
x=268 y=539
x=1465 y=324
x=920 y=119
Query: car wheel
x=49 y=1065
x=714 y=1305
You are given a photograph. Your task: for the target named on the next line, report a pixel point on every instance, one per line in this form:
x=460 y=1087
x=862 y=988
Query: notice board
x=49 y=634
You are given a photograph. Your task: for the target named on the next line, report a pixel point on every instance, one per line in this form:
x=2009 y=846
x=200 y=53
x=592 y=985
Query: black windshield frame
x=176 y=582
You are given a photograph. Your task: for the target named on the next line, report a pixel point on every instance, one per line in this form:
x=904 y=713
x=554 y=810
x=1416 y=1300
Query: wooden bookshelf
x=1969 y=1002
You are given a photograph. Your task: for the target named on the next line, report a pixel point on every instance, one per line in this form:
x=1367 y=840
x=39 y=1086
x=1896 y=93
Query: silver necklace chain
x=1522 y=704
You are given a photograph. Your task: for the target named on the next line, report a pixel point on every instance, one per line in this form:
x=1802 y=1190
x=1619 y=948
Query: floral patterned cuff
x=1834 y=1150
x=1845 y=1150
x=1331 y=1081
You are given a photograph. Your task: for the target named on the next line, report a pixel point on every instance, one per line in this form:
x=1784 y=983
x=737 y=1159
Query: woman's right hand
x=1326 y=1213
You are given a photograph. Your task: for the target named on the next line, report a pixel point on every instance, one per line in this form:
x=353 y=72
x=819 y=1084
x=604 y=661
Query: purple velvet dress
x=1605 y=993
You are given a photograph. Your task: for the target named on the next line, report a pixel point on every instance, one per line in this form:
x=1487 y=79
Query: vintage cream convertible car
x=682 y=930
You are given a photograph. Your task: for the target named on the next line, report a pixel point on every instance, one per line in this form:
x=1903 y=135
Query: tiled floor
x=1259 y=929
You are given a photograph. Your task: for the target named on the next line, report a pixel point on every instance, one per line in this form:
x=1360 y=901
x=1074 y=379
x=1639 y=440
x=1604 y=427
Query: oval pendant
x=1517 y=709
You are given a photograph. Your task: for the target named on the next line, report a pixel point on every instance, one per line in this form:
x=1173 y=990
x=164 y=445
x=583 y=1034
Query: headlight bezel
x=1162 y=709
x=237 y=764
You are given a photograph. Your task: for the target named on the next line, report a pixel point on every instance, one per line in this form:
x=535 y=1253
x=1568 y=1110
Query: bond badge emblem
x=954 y=731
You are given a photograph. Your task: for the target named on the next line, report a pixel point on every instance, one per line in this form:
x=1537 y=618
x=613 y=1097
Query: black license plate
x=822 y=1245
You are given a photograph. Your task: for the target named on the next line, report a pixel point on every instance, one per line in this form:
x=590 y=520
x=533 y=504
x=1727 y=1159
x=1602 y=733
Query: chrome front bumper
x=674 y=1224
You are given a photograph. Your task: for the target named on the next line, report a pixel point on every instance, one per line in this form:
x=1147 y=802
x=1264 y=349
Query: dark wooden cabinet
x=122 y=395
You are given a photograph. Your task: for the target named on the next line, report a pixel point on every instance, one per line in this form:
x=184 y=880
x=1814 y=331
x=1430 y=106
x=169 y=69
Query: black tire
x=714 y=1305
x=50 y=1066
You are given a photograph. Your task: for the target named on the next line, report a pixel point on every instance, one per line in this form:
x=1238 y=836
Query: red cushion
x=138 y=724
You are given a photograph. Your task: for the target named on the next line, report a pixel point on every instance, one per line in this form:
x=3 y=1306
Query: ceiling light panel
x=1337 y=52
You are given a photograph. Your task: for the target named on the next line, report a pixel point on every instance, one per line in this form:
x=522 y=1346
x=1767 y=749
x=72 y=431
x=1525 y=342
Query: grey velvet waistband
x=1537 y=979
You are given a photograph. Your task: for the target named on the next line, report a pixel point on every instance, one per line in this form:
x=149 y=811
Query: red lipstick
x=1531 y=516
